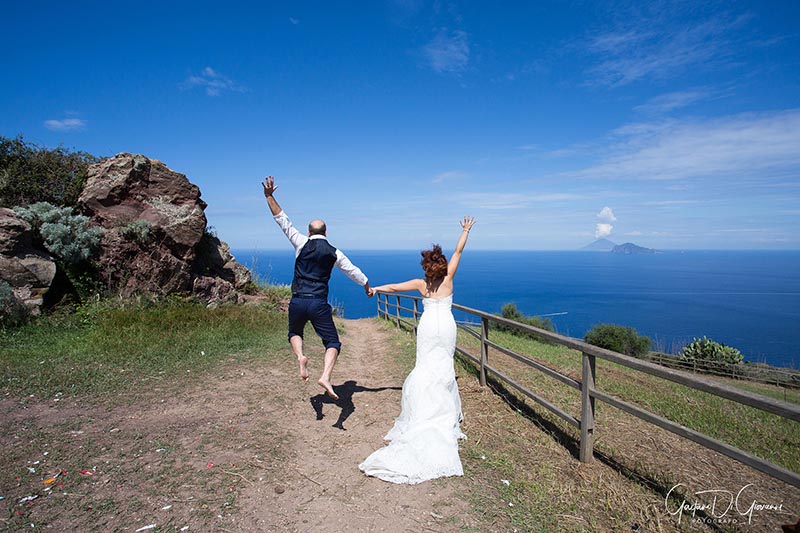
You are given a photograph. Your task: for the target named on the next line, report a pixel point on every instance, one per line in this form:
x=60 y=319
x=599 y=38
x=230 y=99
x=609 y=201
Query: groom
x=314 y=261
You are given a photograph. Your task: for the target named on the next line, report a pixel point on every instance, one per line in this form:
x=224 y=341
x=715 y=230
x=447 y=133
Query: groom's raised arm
x=281 y=218
x=269 y=190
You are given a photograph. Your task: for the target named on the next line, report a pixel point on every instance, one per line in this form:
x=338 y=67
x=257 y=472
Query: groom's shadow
x=345 y=392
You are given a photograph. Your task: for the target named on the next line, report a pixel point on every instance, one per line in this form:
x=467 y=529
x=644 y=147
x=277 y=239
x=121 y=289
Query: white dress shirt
x=299 y=240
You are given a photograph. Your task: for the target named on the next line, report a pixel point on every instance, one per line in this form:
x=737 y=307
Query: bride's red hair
x=434 y=263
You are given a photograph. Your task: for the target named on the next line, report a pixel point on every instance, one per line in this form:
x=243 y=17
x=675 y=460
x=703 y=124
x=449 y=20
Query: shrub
x=622 y=339
x=511 y=312
x=138 y=231
x=708 y=352
x=41 y=213
x=69 y=237
x=30 y=173
x=72 y=240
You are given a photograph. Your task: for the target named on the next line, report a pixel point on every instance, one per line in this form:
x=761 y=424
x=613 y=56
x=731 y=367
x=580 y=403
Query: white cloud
x=665 y=103
x=214 y=82
x=606 y=214
x=634 y=234
x=294 y=21
x=761 y=146
x=657 y=48
x=66 y=124
x=450 y=175
x=603 y=230
x=448 y=52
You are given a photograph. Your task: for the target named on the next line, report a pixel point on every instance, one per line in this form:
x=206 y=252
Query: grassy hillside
x=108 y=349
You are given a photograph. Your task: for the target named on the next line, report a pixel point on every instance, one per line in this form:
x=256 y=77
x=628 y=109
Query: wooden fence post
x=587 y=408
x=484 y=349
x=397 y=308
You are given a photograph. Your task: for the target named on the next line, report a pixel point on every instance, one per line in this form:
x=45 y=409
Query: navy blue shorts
x=320 y=313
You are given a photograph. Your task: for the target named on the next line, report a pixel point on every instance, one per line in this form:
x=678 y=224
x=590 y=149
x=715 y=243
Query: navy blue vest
x=312 y=269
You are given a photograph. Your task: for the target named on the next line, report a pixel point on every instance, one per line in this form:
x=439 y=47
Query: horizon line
x=251 y=249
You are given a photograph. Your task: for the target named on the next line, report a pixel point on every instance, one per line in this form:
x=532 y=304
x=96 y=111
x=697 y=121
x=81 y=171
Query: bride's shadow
x=345 y=392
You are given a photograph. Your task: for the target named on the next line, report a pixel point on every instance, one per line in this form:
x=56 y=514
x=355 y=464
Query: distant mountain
x=630 y=248
x=600 y=245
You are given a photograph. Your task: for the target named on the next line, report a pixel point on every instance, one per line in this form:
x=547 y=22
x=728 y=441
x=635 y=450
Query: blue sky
x=674 y=125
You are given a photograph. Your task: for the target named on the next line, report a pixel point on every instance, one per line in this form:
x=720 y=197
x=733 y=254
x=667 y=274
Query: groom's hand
x=369 y=290
x=269 y=186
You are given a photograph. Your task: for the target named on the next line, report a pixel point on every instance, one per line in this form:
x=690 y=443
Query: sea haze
x=746 y=299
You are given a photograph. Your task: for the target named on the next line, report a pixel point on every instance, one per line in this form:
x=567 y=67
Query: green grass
x=525 y=500
x=105 y=348
x=773 y=391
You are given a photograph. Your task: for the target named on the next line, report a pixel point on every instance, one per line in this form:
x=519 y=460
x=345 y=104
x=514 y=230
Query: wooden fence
x=405 y=310
x=756 y=372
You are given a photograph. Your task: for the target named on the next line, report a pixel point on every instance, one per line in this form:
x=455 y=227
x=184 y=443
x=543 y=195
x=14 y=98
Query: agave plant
x=707 y=350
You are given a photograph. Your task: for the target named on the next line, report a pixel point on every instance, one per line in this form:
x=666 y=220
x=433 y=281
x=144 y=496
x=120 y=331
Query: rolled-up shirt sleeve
x=297 y=239
x=349 y=269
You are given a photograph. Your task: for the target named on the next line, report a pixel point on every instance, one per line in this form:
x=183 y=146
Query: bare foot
x=328 y=388
x=303 y=361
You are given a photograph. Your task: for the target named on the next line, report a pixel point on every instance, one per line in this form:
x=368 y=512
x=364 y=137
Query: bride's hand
x=468 y=222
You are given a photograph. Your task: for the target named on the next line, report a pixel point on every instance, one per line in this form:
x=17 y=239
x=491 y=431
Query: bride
x=423 y=444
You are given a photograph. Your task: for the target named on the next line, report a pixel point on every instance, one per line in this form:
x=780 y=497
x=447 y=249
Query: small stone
x=279 y=489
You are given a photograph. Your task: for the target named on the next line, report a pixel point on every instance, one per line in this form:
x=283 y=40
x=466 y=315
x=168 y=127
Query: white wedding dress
x=424 y=440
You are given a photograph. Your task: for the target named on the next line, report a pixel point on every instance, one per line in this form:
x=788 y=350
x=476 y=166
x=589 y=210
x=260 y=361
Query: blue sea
x=746 y=299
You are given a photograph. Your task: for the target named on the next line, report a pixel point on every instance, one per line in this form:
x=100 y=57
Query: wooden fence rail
x=759 y=373
x=393 y=310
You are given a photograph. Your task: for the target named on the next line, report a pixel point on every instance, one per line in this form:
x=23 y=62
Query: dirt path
x=249 y=447
x=324 y=489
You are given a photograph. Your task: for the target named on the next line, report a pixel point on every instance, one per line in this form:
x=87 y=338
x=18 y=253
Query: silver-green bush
x=70 y=237
x=138 y=230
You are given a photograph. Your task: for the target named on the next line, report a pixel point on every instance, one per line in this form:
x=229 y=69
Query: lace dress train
x=424 y=440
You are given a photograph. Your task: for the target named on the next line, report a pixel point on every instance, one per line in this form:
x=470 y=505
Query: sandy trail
x=324 y=490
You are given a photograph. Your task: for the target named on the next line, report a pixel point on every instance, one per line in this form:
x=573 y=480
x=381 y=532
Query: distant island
x=605 y=245
x=630 y=248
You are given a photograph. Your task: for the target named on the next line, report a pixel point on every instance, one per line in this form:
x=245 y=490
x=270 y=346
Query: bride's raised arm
x=466 y=225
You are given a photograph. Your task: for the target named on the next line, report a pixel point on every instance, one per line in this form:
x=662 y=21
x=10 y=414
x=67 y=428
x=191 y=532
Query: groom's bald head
x=317 y=227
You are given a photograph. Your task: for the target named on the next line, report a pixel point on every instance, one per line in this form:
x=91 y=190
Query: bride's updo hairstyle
x=434 y=263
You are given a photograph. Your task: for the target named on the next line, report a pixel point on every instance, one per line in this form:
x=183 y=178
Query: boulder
x=214 y=291
x=156 y=240
x=28 y=270
x=126 y=188
x=128 y=267
x=215 y=258
x=15 y=233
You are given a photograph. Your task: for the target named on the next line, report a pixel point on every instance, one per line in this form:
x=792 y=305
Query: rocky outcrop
x=28 y=270
x=156 y=240
x=128 y=188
